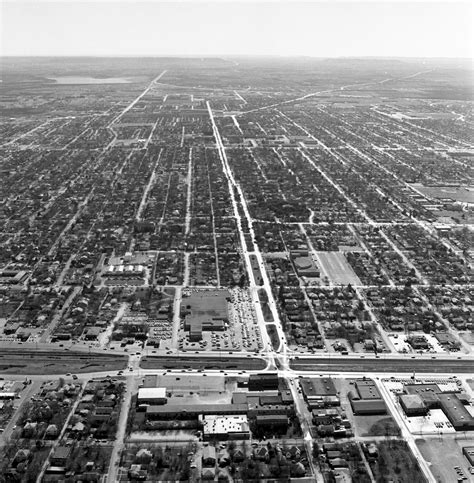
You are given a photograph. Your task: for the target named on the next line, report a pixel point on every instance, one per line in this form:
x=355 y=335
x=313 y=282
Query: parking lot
x=241 y=334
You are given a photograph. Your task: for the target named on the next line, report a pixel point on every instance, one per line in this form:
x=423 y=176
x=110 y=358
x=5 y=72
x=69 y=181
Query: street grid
x=222 y=186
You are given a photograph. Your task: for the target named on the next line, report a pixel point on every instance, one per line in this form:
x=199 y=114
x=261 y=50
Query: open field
x=338 y=269
x=458 y=193
x=444 y=454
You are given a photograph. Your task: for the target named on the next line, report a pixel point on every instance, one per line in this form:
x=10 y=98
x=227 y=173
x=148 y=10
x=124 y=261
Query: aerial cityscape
x=236 y=269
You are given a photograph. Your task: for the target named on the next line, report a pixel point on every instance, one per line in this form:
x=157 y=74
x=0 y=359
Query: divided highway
x=386 y=364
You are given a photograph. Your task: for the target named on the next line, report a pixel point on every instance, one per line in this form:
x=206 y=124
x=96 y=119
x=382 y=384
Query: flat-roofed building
x=368 y=406
x=317 y=387
x=366 y=399
x=263 y=382
x=458 y=415
x=192 y=411
x=152 y=395
x=232 y=426
x=367 y=389
x=280 y=420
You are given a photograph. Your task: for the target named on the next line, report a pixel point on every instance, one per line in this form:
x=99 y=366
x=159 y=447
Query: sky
x=330 y=28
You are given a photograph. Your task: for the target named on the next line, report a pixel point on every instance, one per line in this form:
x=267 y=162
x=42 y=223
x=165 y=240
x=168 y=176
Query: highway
x=383 y=364
x=97 y=361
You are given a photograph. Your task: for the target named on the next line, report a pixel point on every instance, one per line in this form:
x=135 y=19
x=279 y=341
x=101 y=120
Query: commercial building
x=304 y=264
x=413 y=405
x=205 y=310
x=225 y=427
x=367 y=389
x=368 y=406
x=366 y=399
x=432 y=397
x=458 y=415
x=263 y=382
x=152 y=395
x=192 y=411
x=13 y=277
x=319 y=392
x=273 y=420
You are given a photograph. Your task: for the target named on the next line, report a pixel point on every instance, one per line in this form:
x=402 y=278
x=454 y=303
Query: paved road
x=57 y=318
x=130 y=387
x=25 y=396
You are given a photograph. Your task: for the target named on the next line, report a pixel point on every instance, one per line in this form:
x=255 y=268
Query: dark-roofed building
x=272 y=420
x=317 y=387
x=367 y=389
x=427 y=392
x=268 y=400
x=458 y=415
x=468 y=452
x=367 y=398
x=451 y=404
x=191 y=411
x=263 y=382
x=368 y=406
x=413 y=405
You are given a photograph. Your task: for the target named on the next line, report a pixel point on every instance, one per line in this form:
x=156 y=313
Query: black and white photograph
x=237 y=241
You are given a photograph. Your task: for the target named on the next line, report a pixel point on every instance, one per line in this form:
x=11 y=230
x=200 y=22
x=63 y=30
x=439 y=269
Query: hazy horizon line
x=213 y=56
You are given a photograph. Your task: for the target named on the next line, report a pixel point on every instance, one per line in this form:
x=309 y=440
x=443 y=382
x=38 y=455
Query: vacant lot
x=444 y=454
x=338 y=269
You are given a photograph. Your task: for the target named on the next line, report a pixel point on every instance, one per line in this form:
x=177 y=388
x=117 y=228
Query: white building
x=152 y=395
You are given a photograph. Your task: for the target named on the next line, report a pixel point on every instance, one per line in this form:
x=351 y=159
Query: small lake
x=89 y=80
